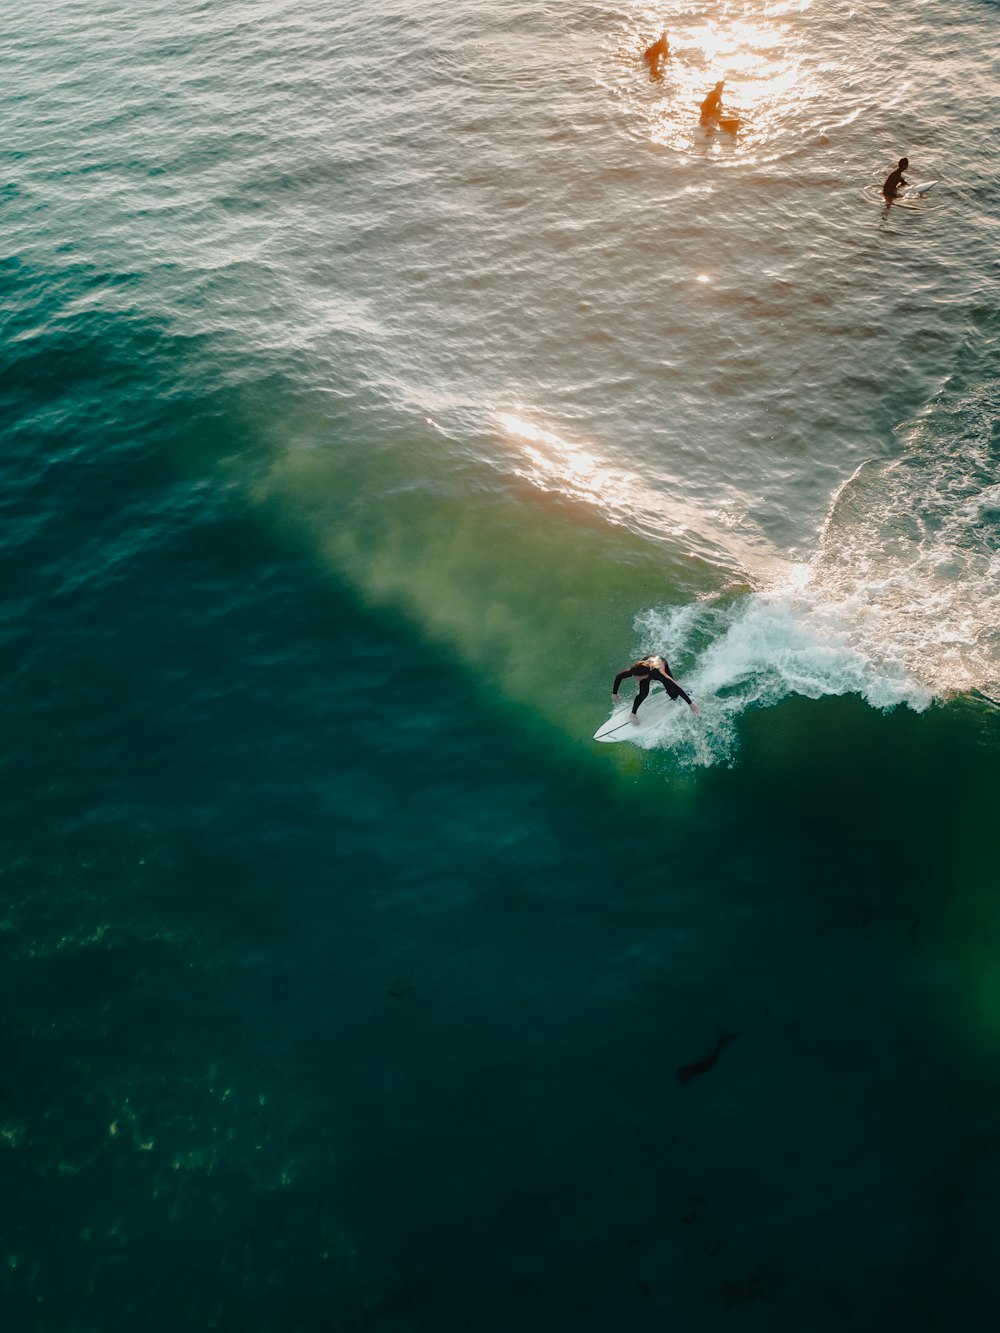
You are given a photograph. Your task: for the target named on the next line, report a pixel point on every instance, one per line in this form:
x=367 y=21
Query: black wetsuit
x=892 y=183
x=646 y=674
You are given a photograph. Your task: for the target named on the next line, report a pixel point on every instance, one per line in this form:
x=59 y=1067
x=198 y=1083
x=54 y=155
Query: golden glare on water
x=558 y=466
x=555 y=464
x=753 y=48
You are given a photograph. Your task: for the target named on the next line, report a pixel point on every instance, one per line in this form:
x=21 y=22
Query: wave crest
x=900 y=605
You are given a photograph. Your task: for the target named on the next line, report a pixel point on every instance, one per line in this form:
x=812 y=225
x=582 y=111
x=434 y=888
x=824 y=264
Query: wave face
x=900 y=604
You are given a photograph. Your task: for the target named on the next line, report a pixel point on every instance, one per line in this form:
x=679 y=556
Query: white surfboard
x=913 y=191
x=652 y=714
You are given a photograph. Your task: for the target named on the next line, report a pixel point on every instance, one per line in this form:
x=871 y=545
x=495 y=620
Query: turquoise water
x=376 y=384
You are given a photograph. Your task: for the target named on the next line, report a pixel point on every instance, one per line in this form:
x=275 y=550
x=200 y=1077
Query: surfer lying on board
x=894 y=180
x=655 y=55
x=646 y=671
x=711 y=108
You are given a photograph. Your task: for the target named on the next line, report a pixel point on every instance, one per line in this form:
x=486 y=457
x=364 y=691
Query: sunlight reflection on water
x=758 y=54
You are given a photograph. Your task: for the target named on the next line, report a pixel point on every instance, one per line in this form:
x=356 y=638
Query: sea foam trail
x=900 y=605
x=763 y=649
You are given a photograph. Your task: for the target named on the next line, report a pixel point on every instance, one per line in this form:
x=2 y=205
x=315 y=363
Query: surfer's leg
x=643 y=691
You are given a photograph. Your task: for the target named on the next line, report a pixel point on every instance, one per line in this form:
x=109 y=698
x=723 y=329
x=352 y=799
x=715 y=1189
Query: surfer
x=646 y=671
x=655 y=55
x=711 y=108
x=894 y=180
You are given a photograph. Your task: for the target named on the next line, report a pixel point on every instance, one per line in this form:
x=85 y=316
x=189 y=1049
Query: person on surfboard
x=655 y=55
x=646 y=670
x=894 y=180
x=711 y=108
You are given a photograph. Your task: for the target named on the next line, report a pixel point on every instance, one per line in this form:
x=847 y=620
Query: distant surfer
x=655 y=55
x=646 y=671
x=711 y=108
x=894 y=180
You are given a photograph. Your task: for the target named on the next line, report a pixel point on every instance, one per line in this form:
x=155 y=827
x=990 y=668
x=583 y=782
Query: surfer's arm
x=677 y=692
x=618 y=680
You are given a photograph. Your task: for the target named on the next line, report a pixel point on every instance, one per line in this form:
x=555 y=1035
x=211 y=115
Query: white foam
x=763 y=649
x=900 y=605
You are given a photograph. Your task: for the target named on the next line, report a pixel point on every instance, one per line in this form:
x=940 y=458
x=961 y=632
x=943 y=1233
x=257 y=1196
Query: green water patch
x=532 y=596
x=334 y=968
x=889 y=816
x=337 y=962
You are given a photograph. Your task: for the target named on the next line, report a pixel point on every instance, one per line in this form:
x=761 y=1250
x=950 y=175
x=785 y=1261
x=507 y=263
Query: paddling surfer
x=894 y=180
x=646 y=671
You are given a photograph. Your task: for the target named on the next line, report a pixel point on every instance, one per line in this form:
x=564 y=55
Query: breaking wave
x=900 y=604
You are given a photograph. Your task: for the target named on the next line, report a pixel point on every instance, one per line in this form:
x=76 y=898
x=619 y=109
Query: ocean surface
x=378 y=380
